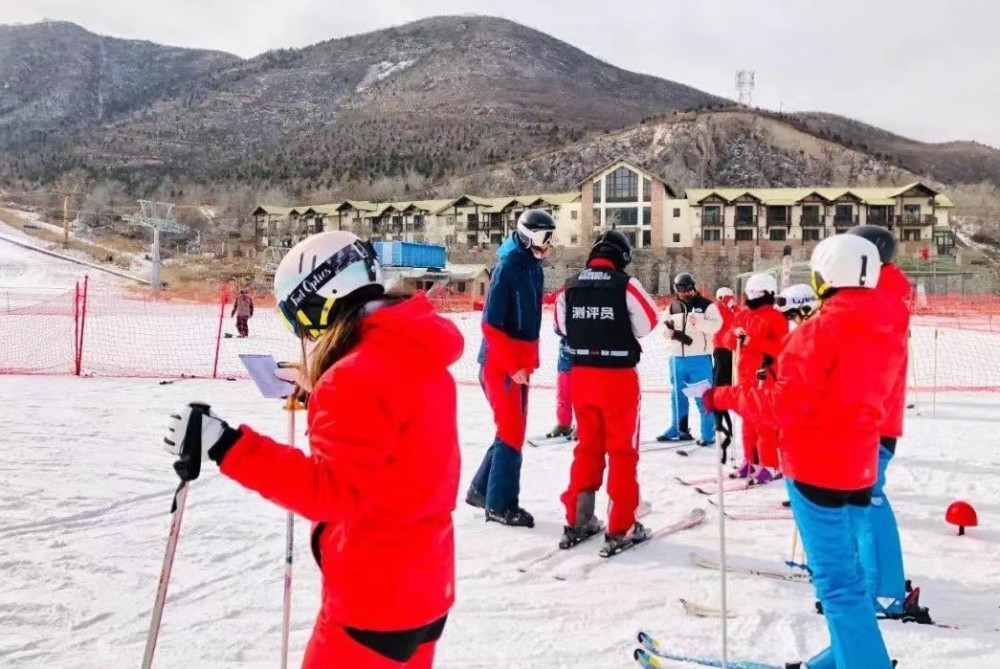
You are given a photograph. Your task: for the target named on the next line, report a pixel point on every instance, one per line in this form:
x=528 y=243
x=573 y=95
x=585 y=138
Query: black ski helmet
x=880 y=237
x=683 y=281
x=614 y=246
x=535 y=227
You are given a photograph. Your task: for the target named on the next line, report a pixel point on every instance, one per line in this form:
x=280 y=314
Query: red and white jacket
x=641 y=307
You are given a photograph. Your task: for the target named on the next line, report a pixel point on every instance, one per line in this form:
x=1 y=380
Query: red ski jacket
x=834 y=374
x=381 y=479
x=893 y=282
x=767 y=329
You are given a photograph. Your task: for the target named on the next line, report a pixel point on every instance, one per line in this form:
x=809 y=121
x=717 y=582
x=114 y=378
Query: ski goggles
x=305 y=311
x=540 y=238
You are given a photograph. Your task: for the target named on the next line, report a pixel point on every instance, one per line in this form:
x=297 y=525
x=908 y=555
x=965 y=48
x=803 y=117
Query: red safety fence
x=132 y=333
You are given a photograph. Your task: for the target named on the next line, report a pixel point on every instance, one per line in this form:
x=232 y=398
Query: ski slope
x=85 y=491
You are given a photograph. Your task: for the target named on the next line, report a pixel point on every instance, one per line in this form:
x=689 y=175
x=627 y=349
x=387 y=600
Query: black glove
x=742 y=338
x=762 y=374
x=681 y=337
x=195 y=432
x=768 y=360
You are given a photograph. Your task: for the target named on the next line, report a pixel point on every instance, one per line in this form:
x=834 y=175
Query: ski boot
x=912 y=611
x=675 y=436
x=744 y=472
x=763 y=476
x=516 y=517
x=475 y=498
x=560 y=431
x=705 y=442
x=572 y=535
x=616 y=543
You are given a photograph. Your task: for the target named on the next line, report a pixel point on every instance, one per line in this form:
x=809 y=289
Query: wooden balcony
x=915 y=219
x=845 y=221
x=812 y=221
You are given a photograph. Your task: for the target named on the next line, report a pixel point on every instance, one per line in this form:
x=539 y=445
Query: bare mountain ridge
x=733 y=147
x=56 y=77
x=952 y=162
x=357 y=96
x=441 y=98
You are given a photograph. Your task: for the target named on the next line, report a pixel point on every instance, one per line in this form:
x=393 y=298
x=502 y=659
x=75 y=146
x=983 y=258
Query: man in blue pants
x=692 y=321
x=512 y=321
x=877 y=533
x=829 y=402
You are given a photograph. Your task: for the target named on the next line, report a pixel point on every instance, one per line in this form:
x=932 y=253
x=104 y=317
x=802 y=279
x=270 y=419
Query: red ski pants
x=760 y=444
x=509 y=402
x=606 y=402
x=564 y=400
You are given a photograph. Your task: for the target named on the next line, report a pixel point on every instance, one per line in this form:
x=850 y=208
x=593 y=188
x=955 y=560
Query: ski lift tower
x=160 y=217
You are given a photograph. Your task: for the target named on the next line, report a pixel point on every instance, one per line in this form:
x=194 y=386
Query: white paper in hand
x=696 y=390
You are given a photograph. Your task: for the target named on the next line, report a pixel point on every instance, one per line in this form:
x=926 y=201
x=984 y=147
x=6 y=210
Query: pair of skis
x=692 y=519
x=652 y=653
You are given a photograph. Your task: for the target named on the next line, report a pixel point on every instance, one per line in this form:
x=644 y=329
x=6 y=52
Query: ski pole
x=726 y=427
x=291 y=405
x=192 y=436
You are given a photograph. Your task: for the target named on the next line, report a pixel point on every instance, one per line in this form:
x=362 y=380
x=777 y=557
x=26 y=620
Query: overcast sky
x=927 y=69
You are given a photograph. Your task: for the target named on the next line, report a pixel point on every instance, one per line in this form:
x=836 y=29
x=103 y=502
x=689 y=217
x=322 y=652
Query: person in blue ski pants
x=690 y=326
x=828 y=402
x=512 y=319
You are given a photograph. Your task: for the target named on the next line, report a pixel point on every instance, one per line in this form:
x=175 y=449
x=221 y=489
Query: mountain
x=436 y=96
x=731 y=147
x=950 y=162
x=56 y=77
x=422 y=107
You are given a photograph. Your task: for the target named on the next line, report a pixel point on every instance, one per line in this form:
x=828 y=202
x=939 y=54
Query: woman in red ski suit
x=381 y=479
x=763 y=329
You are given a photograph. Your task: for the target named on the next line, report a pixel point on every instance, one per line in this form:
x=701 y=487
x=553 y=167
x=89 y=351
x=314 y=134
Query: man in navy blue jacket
x=512 y=321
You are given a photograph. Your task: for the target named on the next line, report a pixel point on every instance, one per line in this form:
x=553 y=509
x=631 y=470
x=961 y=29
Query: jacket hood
x=414 y=333
x=892 y=280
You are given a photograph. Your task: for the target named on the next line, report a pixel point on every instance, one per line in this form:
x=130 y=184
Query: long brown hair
x=343 y=334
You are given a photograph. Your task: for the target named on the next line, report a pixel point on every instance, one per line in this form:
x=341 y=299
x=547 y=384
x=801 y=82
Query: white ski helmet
x=723 y=293
x=799 y=296
x=844 y=261
x=320 y=270
x=760 y=285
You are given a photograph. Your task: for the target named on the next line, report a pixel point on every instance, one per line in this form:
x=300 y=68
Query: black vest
x=598 y=327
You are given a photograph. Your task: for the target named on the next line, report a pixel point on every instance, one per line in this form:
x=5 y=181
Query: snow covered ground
x=85 y=491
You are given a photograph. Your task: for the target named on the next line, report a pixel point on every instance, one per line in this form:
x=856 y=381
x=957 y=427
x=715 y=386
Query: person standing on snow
x=382 y=475
x=512 y=321
x=723 y=341
x=878 y=536
x=603 y=312
x=691 y=324
x=564 y=393
x=243 y=311
x=761 y=330
x=829 y=402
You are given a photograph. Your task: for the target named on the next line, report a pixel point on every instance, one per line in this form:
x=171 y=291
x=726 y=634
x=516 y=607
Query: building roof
x=271 y=210
x=466 y=201
x=791 y=196
x=618 y=163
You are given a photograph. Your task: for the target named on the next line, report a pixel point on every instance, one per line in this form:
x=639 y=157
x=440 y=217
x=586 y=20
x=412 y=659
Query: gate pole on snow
x=218 y=333
x=76 y=329
x=83 y=324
